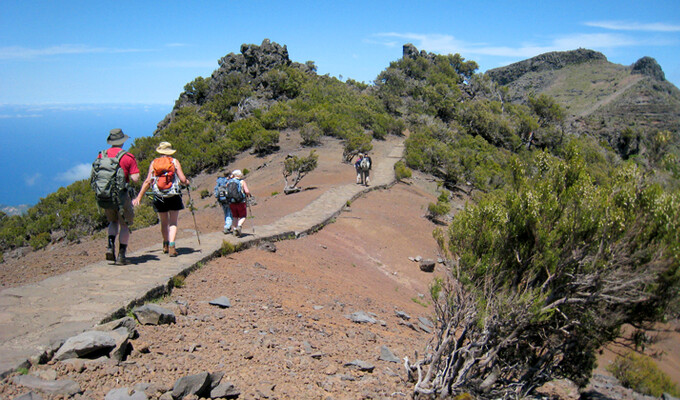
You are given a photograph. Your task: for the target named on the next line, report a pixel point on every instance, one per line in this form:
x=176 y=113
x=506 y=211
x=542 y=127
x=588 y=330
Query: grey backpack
x=107 y=179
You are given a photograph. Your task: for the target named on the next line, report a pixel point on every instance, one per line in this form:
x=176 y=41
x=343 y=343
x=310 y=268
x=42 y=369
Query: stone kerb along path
x=36 y=317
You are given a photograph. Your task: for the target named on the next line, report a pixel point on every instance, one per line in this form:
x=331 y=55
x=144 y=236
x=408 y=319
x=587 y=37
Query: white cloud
x=31 y=180
x=80 y=171
x=634 y=26
x=447 y=44
x=18 y=52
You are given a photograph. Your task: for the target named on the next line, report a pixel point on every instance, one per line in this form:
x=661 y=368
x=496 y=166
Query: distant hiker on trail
x=238 y=194
x=110 y=179
x=222 y=197
x=165 y=175
x=363 y=166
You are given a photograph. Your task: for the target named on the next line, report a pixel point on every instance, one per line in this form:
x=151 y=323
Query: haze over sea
x=44 y=147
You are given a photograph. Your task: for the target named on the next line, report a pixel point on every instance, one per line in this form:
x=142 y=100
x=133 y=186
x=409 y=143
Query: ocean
x=43 y=148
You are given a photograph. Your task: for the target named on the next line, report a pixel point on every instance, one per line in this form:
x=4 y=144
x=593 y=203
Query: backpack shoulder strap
x=120 y=155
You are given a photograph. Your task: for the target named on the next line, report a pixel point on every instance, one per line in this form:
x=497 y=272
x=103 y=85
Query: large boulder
x=87 y=344
x=152 y=314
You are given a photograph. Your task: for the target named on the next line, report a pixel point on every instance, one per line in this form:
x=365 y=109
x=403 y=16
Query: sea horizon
x=47 y=146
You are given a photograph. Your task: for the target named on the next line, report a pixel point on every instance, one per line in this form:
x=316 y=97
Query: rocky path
x=34 y=316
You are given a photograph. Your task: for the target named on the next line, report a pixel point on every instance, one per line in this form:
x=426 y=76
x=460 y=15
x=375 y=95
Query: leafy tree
x=296 y=168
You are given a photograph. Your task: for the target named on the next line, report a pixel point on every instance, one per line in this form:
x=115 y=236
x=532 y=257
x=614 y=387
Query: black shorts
x=165 y=204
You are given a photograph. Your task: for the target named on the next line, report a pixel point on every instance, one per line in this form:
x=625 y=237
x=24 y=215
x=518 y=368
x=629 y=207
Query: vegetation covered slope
x=569 y=238
x=624 y=106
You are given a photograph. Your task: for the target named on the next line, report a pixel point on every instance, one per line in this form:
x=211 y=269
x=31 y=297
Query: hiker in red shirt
x=120 y=220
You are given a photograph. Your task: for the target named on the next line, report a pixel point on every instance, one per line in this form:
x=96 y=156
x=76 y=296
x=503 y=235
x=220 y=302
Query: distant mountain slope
x=601 y=98
x=14 y=210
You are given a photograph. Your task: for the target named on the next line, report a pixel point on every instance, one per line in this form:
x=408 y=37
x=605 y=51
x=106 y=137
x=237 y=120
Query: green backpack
x=108 y=181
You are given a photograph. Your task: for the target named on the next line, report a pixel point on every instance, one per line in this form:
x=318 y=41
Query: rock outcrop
x=648 y=66
x=253 y=67
x=544 y=62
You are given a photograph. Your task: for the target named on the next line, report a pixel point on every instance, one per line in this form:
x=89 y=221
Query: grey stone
x=122 y=349
x=424 y=327
x=221 y=301
x=267 y=246
x=86 y=344
x=225 y=390
x=66 y=386
x=667 y=396
x=128 y=323
x=427 y=265
x=361 y=365
x=387 y=355
x=215 y=379
x=426 y=322
x=403 y=315
x=125 y=394
x=152 y=314
x=361 y=317
x=192 y=384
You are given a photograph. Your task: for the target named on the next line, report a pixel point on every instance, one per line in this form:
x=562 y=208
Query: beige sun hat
x=237 y=174
x=165 y=148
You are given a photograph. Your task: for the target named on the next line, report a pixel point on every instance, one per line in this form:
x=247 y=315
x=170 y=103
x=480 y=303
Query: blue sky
x=75 y=52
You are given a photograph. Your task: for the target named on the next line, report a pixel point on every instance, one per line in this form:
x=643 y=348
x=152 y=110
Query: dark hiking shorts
x=165 y=204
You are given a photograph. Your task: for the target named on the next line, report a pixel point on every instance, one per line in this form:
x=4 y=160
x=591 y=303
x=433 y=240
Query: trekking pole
x=191 y=207
x=250 y=212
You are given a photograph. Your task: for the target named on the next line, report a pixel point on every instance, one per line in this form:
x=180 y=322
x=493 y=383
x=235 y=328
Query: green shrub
x=310 y=133
x=40 y=240
x=145 y=215
x=227 y=248
x=640 y=373
x=402 y=171
x=205 y=193
x=177 y=281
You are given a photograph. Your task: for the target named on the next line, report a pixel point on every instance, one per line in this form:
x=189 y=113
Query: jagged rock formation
x=252 y=66
x=545 y=62
x=648 y=66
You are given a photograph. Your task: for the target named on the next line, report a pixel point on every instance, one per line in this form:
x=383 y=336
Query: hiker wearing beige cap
x=164 y=178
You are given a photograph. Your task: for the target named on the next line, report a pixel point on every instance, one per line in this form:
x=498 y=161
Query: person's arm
x=145 y=186
x=183 y=179
x=245 y=188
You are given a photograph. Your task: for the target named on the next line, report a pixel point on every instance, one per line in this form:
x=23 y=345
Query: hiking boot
x=172 y=251
x=110 y=249
x=237 y=231
x=165 y=247
x=227 y=231
x=121 y=260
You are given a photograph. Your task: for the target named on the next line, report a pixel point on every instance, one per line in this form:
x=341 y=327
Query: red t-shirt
x=128 y=162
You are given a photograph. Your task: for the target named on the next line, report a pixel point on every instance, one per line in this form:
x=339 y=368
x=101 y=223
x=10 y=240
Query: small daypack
x=165 y=181
x=107 y=179
x=235 y=191
x=365 y=164
x=221 y=189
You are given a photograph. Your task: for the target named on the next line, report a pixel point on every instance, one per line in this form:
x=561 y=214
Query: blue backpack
x=221 y=189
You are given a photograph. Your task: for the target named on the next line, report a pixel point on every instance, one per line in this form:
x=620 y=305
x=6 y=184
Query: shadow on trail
x=187 y=250
x=142 y=259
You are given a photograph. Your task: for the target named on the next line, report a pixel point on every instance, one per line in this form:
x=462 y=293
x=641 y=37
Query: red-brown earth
x=287 y=334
